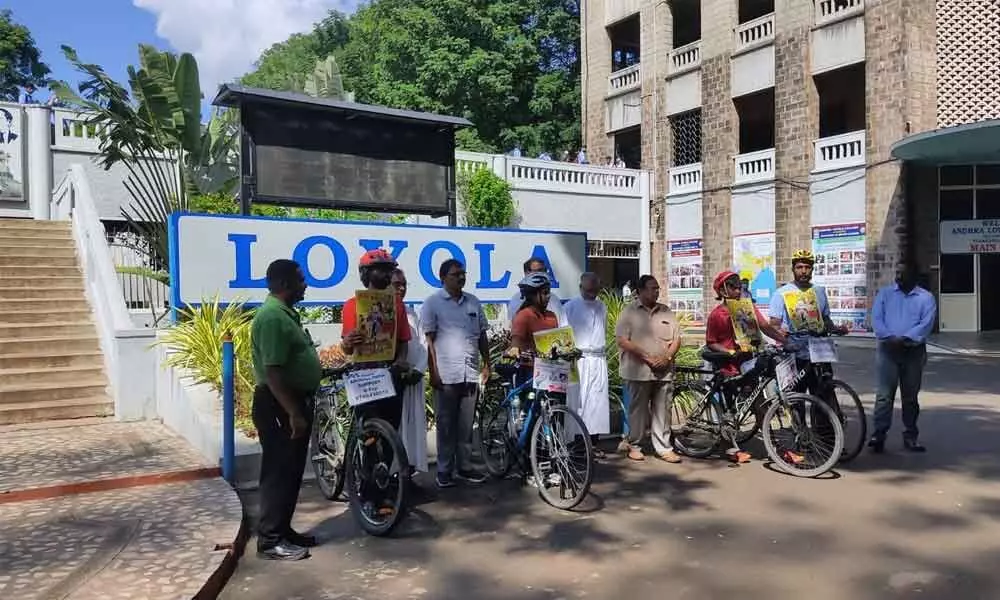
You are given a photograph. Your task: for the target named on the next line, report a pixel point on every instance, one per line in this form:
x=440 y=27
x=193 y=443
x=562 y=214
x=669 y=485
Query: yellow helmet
x=803 y=255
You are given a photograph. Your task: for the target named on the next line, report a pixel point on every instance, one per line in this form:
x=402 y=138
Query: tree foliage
x=510 y=66
x=486 y=200
x=20 y=61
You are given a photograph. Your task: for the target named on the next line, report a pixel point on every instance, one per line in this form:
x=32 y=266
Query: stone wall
x=595 y=68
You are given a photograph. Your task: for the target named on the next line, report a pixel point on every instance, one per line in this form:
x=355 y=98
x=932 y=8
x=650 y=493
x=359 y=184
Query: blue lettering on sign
x=340 y=260
x=427 y=269
x=396 y=247
x=244 y=277
x=539 y=252
x=486 y=281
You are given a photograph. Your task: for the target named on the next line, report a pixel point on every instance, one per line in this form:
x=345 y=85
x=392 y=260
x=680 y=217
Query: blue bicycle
x=534 y=430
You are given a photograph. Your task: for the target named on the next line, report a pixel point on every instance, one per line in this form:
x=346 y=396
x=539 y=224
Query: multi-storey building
x=865 y=129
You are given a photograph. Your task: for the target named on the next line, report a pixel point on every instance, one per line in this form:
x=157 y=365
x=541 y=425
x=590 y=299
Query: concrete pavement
x=892 y=526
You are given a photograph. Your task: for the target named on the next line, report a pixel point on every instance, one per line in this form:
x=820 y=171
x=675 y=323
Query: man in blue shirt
x=902 y=317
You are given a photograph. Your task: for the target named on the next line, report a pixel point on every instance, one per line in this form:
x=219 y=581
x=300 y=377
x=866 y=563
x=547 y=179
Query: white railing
x=72 y=132
x=139 y=291
x=530 y=173
x=467 y=163
x=832 y=10
x=624 y=80
x=756 y=32
x=685 y=180
x=686 y=57
x=754 y=166
x=840 y=151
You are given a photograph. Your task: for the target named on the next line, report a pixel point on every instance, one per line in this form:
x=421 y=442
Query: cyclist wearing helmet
x=533 y=314
x=376 y=268
x=800 y=307
x=720 y=333
x=537 y=265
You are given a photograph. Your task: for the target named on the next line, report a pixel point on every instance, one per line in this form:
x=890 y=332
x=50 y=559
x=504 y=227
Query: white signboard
x=970 y=237
x=226 y=256
x=368 y=385
x=11 y=152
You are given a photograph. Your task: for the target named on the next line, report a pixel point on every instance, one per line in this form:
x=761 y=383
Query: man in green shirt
x=287 y=372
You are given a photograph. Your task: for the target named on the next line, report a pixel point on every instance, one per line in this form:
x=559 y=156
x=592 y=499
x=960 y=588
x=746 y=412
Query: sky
x=225 y=36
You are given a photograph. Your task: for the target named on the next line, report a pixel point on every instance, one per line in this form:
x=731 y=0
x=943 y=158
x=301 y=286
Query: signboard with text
x=979 y=236
x=226 y=256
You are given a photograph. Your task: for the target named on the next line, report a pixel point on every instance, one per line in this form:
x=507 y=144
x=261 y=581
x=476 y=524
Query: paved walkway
x=108 y=510
x=886 y=527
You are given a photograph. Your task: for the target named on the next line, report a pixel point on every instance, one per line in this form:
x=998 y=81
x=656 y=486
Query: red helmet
x=721 y=278
x=378 y=256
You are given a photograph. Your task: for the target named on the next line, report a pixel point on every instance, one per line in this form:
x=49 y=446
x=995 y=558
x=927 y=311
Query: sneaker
x=444 y=481
x=913 y=445
x=470 y=476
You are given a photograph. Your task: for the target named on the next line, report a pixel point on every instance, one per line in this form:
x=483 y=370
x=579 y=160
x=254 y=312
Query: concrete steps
x=51 y=366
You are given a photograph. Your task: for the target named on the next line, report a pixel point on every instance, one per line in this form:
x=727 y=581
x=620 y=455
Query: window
x=988 y=203
x=958 y=274
x=988 y=175
x=685 y=129
x=957 y=175
x=956 y=205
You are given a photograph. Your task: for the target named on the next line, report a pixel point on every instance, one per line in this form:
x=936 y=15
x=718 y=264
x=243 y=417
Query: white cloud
x=227 y=36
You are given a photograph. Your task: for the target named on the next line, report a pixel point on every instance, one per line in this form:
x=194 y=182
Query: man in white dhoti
x=537 y=265
x=588 y=317
x=413 y=426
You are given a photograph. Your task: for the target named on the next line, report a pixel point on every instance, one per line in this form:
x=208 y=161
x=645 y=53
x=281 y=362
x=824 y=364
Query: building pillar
x=39 y=162
x=645 y=245
x=796 y=110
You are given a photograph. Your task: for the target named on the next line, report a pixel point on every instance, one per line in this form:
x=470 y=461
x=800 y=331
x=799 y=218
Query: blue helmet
x=533 y=282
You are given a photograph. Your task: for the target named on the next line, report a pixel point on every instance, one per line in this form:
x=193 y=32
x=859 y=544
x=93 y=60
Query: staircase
x=51 y=366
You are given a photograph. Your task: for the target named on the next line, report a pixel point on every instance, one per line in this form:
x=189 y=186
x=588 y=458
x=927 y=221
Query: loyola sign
x=970 y=237
x=226 y=257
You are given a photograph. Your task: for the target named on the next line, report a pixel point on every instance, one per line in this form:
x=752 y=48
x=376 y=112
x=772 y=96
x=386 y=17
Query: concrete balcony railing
x=624 y=80
x=840 y=151
x=685 y=58
x=754 y=33
x=828 y=11
x=754 y=167
x=685 y=179
x=72 y=132
x=530 y=173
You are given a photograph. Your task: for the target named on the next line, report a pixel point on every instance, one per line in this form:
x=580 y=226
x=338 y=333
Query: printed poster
x=745 y=327
x=841 y=268
x=753 y=259
x=377 y=316
x=560 y=338
x=11 y=152
x=686 y=279
x=802 y=307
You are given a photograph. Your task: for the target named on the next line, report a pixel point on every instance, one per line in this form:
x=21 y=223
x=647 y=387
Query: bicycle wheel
x=376 y=477
x=852 y=419
x=802 y=435
x=327 y=450
x=495 y=441
x=695 y=424
x=563 y=468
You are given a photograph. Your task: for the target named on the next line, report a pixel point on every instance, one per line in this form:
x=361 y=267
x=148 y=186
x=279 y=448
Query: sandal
x=636 y=455
x=740 y=457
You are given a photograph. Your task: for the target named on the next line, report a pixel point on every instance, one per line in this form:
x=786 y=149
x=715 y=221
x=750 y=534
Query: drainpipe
x=39 y=162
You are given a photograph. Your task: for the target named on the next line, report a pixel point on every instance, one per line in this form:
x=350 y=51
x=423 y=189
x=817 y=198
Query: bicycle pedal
x=370 y=441
x=385 y=511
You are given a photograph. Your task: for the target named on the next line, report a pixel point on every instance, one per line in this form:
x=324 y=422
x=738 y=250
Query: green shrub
x=195 y=345
x=486 y=199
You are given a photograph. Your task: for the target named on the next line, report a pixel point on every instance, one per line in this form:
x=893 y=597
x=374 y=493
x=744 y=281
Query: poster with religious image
x=802 y=307
x=745 y=327
x=376 y=310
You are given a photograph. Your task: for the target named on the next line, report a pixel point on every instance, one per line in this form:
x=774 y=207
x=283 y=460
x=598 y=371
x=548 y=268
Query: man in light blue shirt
x=902 y=317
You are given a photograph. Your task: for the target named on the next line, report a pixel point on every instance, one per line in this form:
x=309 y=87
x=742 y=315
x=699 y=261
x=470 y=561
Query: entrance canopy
x=962 y=144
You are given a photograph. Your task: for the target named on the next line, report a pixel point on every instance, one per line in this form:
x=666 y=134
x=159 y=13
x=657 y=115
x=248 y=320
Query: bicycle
x=562 y=471
x=725 y=405
x=856 y=429
x=372 y=464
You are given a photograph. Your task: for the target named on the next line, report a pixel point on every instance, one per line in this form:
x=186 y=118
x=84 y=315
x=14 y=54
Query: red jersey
x=719 y=331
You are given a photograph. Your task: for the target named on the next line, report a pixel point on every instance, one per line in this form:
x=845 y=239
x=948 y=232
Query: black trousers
x=282 y=461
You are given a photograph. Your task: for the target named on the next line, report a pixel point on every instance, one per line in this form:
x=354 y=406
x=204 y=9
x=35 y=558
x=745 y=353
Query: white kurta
x=413 y=427
x=555 y=305
x=588 y=318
